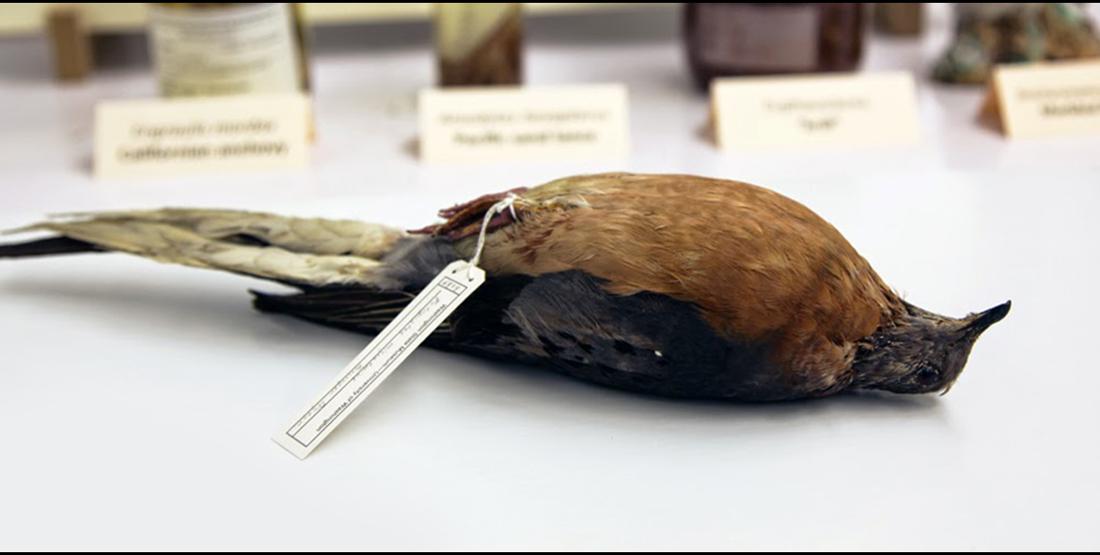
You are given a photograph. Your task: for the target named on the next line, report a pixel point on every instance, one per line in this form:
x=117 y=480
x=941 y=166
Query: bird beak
x=973 y=326
x=981 y=321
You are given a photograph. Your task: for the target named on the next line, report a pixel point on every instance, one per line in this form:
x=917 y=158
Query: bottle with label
x=225 y=49
x=762 y=39
x=903 y=19
x=479 y=44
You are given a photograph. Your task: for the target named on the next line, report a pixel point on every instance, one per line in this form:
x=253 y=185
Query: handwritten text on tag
x=381 y=357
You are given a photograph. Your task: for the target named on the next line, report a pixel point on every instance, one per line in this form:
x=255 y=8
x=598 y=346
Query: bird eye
x=927 y=375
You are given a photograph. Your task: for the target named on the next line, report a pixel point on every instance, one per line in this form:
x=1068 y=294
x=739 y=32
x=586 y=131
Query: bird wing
x=359 y=309
x=568 y=321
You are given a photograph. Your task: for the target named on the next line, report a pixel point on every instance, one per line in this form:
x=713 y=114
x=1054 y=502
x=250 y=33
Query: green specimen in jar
x=991 y=34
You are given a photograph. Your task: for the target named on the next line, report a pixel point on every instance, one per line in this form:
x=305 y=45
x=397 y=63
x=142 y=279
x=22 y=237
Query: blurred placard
x=1047 y=99
x=523 y=123
x=853 y=110
x=150 y=138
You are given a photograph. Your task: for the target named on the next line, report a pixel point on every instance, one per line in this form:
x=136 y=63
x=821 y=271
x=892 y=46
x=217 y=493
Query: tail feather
x=362 y=310
x=313 y=253
x=305 y=235
x=46 y=247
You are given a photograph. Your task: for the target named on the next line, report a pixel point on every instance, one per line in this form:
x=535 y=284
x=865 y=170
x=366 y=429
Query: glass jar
x=479 y=44
x=762 y=39
x=225 y=49
x=903 y=19
x=989 y=34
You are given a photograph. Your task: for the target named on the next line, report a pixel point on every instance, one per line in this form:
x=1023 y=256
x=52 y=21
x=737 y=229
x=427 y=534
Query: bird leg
x=464 y=220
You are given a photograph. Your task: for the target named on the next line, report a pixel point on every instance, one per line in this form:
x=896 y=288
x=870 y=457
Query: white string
x=507 y=204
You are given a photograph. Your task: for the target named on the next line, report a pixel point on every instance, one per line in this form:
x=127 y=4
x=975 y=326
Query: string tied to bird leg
x=415 y=323
x=508 y=203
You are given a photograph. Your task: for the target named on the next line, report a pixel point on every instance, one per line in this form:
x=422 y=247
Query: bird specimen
x=672 y=285
x=1009 y=33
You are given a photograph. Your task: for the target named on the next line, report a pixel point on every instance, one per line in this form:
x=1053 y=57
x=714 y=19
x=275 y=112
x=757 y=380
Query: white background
x=137 y=399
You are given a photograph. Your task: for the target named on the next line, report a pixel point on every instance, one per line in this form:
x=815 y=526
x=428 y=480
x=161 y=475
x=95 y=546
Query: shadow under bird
x=672 y=285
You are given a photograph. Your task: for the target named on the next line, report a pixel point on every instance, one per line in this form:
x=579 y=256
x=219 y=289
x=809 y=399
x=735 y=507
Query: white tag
x=374 y=364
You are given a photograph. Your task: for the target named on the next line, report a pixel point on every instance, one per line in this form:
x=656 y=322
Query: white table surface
x=138 y=399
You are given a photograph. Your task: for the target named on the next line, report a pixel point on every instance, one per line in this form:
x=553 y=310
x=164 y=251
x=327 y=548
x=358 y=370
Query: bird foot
x=464 y=220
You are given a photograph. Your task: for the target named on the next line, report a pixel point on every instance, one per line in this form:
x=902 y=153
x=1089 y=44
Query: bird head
x=923 y=352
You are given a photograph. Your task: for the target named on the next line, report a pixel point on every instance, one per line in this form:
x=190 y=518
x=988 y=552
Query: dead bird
x=672 y=285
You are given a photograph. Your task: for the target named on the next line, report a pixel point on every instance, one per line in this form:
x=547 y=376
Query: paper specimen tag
x=167 y=137
x=523 y=123
x=375 y=363
x=1045 y=99
x=854 y=110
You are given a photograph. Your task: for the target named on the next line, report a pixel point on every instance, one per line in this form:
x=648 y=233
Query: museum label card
x=411 y=327
x=1046 y=99
x=523 y=123
x=836 y=109
x=407 y=331
x=167 y=137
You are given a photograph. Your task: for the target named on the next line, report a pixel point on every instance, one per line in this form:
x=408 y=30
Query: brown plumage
x=759 y=266
x=670 y=284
